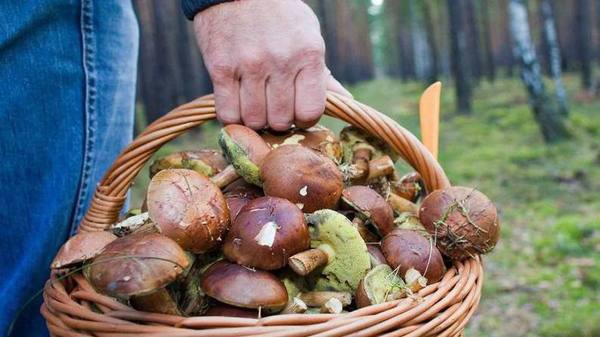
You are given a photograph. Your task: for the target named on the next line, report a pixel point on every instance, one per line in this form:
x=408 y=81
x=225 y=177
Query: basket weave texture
x=73 y=308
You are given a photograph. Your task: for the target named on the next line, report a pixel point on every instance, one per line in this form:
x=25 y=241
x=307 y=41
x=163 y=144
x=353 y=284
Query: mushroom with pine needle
x=405 y=249
x=463 y=221
x=265 y=233
x=410 y=186
x=381 y=284
x=318 y=138
x=187 y=207
x=339 y=256
x=80 y=248
x=207 y=162
x=243 y=287
x=136 y=265
x=303 y=176
x=370 y=207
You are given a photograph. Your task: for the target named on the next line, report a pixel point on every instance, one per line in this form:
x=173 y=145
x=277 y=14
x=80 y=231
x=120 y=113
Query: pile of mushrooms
x=278 y=223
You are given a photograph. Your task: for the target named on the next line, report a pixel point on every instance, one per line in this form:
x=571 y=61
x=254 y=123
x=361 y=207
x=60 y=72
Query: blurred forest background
x=520 y=121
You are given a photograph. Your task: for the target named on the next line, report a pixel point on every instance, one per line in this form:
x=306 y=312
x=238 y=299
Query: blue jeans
x=67 y=90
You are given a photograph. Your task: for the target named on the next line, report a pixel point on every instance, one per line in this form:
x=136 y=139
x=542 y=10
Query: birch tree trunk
x=553 y=54
x=458 y=56
x=549 y=120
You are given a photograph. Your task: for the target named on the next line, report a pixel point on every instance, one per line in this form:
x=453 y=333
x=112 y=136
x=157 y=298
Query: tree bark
x=553 y=53
x=549 y=120
x=458 y=57
x=434 y=71
x=583 y=37
x=490 y=67
x=472 y=29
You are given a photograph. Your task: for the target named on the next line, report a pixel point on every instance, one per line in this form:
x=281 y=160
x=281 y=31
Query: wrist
x=192 y=7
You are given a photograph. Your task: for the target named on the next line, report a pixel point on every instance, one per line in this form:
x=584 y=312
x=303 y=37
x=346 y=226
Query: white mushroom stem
x=305 y=262
x=414 y=280
x=225 y=177
x=380 y=167
x=295 y=306
x=319 y=298
x=402 y=205
x=333 y=306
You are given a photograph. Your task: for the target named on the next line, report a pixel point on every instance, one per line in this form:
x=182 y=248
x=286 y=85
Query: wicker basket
x=72 y=307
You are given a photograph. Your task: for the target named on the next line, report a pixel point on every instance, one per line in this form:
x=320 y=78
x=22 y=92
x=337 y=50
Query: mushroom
x=332 y=306
x=411 y=222
x=206 y=162
x=160 y=301
x=401 y=205
x=265 y=233
x=381 y=284
x=318 y=138
x=376 y=255
x=136 y=265
x=80 y=248
x=245 y=150
x=336 y=247
x=359 y=149
x=463 y=221
x=319 y=298
x=295 y=306
x=185 y=206
x=238 y=194
x=370 y=207
x=406 y=249
x=222 y=309
x=130 y=224
x=303 y=176
x=410 y=186
x=244 y=287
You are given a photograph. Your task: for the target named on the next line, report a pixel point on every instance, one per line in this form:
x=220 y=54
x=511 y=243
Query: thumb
x=335 y=86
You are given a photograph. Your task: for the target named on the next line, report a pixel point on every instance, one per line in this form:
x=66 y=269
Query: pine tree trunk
x=458 y=57
x=472 y=29
x=490 y=67
x=434 y=69
x=583 y=37
x=549 y=120
x=553 y=53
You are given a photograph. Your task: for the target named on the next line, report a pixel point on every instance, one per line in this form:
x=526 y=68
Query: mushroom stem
x=295 y=306
x=320 y=298
x=305 y=262
x=364 y=232
x=380 y=167
x=332 y=306
x=225 y=177
x=402 y=205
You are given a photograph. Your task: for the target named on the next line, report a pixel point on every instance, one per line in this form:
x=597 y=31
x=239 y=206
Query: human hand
x=266 y=59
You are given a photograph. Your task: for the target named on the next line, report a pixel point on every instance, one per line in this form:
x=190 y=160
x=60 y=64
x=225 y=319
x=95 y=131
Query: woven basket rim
x=73 y=308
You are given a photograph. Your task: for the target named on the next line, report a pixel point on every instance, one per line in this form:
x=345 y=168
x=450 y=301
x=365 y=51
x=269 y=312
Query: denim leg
x=67 y=86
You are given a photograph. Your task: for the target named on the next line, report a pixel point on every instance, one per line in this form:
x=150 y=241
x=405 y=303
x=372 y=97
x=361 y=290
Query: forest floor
x=543 y=278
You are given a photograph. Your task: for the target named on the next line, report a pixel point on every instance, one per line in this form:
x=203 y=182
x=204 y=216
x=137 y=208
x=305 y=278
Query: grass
x=543 y=279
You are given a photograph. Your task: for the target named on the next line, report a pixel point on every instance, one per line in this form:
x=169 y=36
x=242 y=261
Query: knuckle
x=254 y=64
x=221 y=72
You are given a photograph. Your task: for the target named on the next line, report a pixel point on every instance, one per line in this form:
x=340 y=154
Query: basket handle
x=111 y=192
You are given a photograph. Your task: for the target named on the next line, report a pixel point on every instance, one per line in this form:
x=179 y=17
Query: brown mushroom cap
x=376 y=255
x=243 y=287
x=318 y=138
x=265 y=233
x=405 y=249
x=303 y=176
x=137 y=264
x=238 y=194
x=371 y=206
x=81 y=247
x=206 y=161
x=222 y=309
x=245 y=150
x=187 y=207
x=463 y=220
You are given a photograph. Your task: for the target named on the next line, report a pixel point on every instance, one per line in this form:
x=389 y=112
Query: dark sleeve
x=193 y=7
